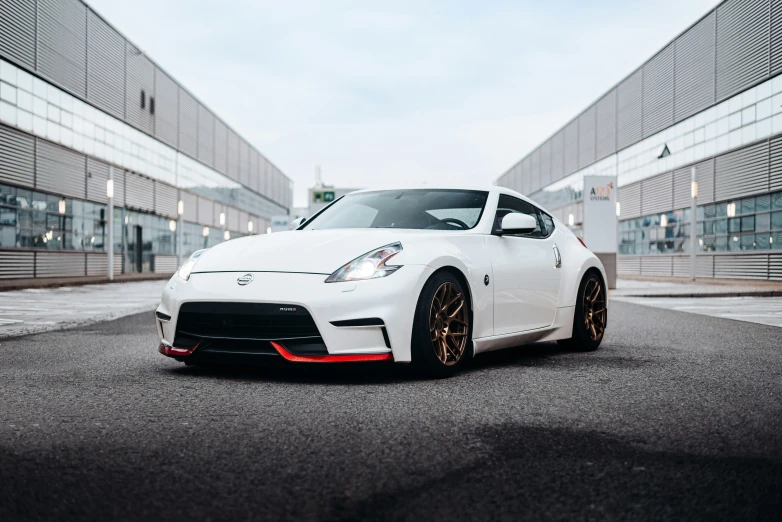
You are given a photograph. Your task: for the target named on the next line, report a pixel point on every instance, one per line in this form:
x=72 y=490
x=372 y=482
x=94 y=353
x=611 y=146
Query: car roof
x=486 y=188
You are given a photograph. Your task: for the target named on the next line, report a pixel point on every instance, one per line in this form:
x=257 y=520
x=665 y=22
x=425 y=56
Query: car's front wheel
x=589 y=322
x=442 y=332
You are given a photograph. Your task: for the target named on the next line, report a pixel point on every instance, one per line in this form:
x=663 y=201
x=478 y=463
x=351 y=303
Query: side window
x=509 y=204
x=548 y=223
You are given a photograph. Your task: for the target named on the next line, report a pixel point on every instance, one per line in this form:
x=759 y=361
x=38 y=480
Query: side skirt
x=561 y=328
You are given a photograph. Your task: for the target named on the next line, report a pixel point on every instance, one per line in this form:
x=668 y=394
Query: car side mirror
x=296 y=223
x=516 y=223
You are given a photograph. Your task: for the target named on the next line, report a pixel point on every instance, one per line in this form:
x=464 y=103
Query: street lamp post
x=693 y=223
x=110 y=246
x=180 y=244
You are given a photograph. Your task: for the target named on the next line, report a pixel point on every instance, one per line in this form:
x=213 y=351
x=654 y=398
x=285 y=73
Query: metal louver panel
x=682 y=188
x=105 y=66
x=628 y=265
x=775 y=170
x=97 y=176
x=206 y=135
x=166 y=199
x=605 y=120
x=16 y=264
x=705 y=177
x=164 y=264
x=586 y=137
x=97 y=265
x=17 y=30
x=534 y=171
x=741 y=267
x=776 y=38
x=681 y=266
x=62 y=43
x=221 y=146
x=629 y=198
x=525 y=180
x=119 y=187
x=244 y=162
x=218 y=209
x=139 y=192
x=571 y=147
x=255 y=177
x=17 y=157
x=742 y=172
x=233 y=155
x=775 y=267
x=59 y=264
x=166 y=108
x=694 y=85
x=139 y=78
x=657 y=266
x=657 y=194
x=545 y=163
x=60 y=170
x=657 y=111
x=241 y=226
x=742 y=45
x=704 y=266
x=558 y=156
x=190 y=202
x=206 y=211
x=188 y=124
x=628 y=94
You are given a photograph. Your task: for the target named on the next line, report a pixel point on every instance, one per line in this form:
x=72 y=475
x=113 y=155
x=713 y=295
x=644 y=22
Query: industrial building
x=710 y=99
x=80 y=103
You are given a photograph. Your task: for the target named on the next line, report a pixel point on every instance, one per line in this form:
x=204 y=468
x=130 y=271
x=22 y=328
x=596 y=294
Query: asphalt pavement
x=677 y=416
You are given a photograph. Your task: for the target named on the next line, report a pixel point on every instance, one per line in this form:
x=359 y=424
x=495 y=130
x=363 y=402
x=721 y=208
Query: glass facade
x=42 y=109
x=746 y=224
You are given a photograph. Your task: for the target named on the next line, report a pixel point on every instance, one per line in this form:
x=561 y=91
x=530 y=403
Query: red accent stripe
x=582 y=242
x=331 y=358
x=176 y=352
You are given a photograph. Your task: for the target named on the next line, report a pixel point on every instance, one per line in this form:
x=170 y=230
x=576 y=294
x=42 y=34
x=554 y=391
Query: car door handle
x=557 y=257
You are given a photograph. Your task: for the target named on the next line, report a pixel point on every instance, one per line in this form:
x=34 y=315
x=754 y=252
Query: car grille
x=247 y=327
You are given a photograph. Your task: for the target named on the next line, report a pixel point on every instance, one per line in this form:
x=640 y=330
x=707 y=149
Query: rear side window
x=508 y=204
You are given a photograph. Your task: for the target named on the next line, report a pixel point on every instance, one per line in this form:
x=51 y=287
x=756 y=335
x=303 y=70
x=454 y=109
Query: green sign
x=322 y=196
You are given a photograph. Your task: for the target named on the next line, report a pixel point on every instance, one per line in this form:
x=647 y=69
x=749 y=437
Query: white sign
x=600 y=219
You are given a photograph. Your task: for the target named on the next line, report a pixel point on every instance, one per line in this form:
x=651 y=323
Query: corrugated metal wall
x=742 y=45
x=586 y=137
x=221 y=147
x=205 y=211
x=190 y=202
x=233 y=155
x=140 y=83
x=60 y=170
x=629 y=198
x=166 y=108
x=139 y=192
x=657 y=100
x=742 y=172
x=105 y=66
x=188 y=124
x=776 y=38
x=657 y=194
x=775 y=164
x=97 y=176
x=17 y=157
x=571 y=147
x=694 y=85
x=606 y=125
x=16 y=264
x=166 y=199
x=206 y=135
x=62 y=43
x=17 y=31
x=628 y=128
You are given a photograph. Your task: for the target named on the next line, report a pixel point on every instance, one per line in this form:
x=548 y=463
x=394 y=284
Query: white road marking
x=761 y=310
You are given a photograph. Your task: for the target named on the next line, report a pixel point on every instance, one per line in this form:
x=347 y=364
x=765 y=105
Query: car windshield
x=422 y=209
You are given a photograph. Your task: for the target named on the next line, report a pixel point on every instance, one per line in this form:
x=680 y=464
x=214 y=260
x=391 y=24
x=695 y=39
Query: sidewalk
x=36 y=310
x=699 y=288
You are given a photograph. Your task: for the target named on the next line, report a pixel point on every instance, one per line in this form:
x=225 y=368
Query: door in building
x=139 y=251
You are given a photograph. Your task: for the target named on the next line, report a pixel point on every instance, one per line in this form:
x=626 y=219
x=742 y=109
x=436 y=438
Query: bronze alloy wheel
x=594 y=309
x=448 y=324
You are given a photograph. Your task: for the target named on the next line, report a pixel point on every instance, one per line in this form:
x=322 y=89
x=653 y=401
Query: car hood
x=303 y=251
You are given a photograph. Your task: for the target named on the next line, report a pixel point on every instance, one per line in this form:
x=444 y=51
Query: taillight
x=582 y=242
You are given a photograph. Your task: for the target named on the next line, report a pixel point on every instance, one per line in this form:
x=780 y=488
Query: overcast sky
x=406 y=91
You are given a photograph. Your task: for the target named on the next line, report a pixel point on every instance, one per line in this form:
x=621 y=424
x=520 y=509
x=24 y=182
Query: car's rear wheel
x=589 y=322
x=442 y=331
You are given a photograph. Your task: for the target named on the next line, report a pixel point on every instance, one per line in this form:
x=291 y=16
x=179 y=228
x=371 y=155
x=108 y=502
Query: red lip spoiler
x=331 y=358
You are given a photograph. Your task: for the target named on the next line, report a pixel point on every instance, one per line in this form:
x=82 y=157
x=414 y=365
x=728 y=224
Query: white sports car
x=423 y=276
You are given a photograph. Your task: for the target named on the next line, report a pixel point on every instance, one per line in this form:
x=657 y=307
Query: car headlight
x=369 y=266
x=189 y=265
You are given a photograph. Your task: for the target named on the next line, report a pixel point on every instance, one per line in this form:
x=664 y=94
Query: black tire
x=426 y=359
x=585 y=337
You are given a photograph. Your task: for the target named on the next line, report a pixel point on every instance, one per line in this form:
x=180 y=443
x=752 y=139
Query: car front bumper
x=391 y=299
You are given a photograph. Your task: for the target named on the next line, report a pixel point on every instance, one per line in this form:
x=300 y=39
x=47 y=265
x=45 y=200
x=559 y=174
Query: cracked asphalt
x=677 y=416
